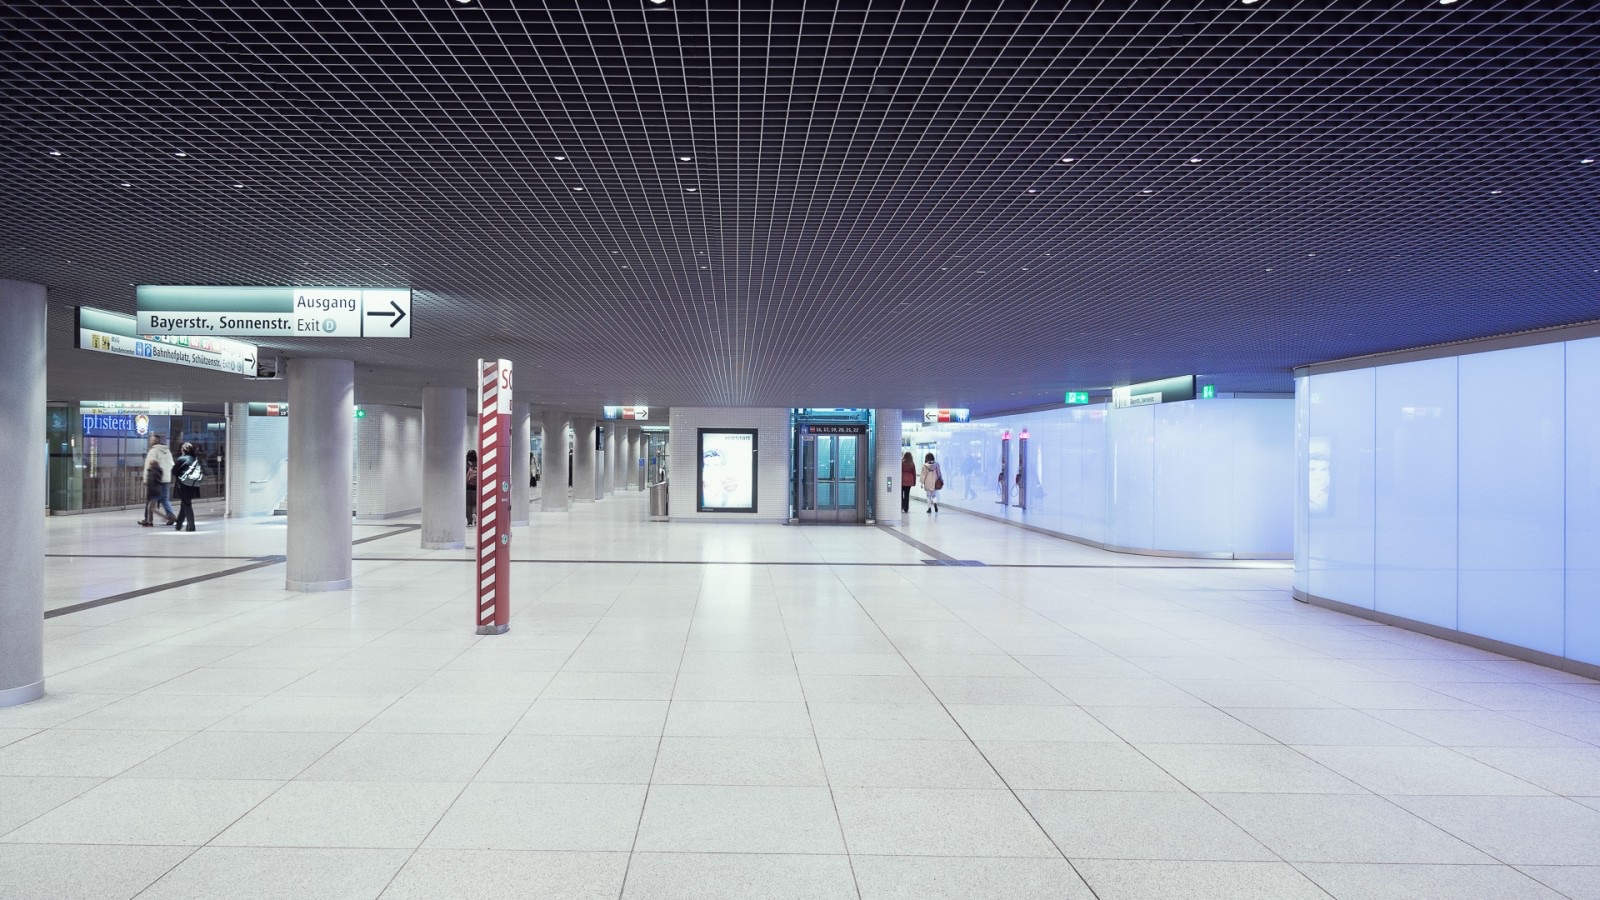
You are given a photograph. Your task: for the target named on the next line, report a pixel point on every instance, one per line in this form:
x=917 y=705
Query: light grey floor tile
x=756 y=687
x=1327 y=727
x=742 y=761
x=146 y=811
x=77 y=872
x=610 y=686
x=231 y=682
x=906 y=764
x=162 y=712
x=1535 y=831
x=272 y=756
x=1355 y=881
x=278 y=873
x=851 y=664
x=931 y=665
x=1342 y=828
x=12 y=735
x=1152 y=825
x=924 y=822
x=738 y=876
x=1571 y=771
x=1267 y=768
x=445 y=714
x=1119 y=879
x=894 y=689
x=404 y=757
x=23 y=798
x=594 y=717
x=1474 y=728
x=65 y=752
x=1417 y=770
x=1198 y=725
x=995 y=690
x=1055 y=765
x=506 y=816
x=1577 y=882
x=1029 y=723
x=509 y=875
x=342 y=814
x=1142 y=691
x=303 y=713
x=572 y=759
x=713 y=718
x=1373 y=696
x=718 y=819
x=458 y=683
x=1258 y=693
x=917 y=721
x=375 y=683
x=963 y=878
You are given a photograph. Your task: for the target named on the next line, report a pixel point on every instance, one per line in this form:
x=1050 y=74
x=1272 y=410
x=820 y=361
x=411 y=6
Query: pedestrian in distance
x=188 y=473
x=158 y=482
x=932 y=481
x=908 y=477
x=472 y=486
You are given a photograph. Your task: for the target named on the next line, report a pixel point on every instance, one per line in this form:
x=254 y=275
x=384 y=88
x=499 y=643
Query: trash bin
x=658 y=502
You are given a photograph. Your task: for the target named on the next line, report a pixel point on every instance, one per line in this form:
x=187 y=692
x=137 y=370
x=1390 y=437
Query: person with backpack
x=187 y=474
x=932 y=481
x=472 y=486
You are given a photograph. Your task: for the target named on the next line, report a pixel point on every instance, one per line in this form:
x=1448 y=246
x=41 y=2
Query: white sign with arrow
x=274 y=311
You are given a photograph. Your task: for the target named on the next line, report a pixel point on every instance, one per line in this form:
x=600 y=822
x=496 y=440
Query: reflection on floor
x=751 y=711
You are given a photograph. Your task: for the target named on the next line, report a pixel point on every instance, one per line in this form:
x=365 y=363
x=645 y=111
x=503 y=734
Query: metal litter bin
x=658 y=502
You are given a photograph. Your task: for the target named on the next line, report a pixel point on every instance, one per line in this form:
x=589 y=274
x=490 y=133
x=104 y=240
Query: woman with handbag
x=932 y=481
x=472 y=486
x=186 y=475
x=908 y=477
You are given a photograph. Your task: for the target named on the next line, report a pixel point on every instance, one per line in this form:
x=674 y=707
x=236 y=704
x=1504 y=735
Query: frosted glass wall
x=1206 y=477
x=1460 y=492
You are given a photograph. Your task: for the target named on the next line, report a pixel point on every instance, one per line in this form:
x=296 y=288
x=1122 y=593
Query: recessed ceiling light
x=577 y=188
x=179 y=153
x=1067 y=159
x=1586 y=160
x=658 y=2
x=1033 y=190
x=237 y=185
x=1497 y=192
x=685 y=159
x=691 y=190
x=1446 y=2
x=58 y=153
x=616 y=251
x=126 y=184
x=1148 y=191
x=1195 y=160
x=558 y=158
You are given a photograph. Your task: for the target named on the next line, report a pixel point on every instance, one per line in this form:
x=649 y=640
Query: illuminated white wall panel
x=1192 y=480
x=1415 y=507
x=1583 y=501
x=1302 y=486
x=1261 y=503
x=1132 y=435
x=1340 y=492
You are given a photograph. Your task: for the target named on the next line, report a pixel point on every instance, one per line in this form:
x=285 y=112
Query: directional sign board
x=109 y=332
x=275 y=311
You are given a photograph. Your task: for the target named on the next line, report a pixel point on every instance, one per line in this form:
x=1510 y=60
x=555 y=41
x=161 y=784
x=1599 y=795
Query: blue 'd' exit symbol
x=1077 y=398
x=1208 y=391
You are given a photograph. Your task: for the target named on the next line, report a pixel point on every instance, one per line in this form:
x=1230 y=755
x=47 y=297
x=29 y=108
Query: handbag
x=192 y=475
x=938 y=480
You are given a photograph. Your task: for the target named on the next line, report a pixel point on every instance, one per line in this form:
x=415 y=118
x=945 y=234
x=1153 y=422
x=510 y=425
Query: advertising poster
x=727 y=470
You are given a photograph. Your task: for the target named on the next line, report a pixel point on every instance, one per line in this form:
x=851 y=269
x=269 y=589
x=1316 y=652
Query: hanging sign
x=637 y=413
x=1167 y=390
x=935 y=416
x=108 y=332
x=305 y=312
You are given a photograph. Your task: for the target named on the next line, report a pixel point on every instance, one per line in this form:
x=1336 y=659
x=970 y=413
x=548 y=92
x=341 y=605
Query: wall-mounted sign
x=832 y=429
x=267 y=409
x=109 y=332
x=274 y=311
x=130 y=407
x=1167 y=390
x=934 y=416
x=637 y=413
x=727 y=470
x=112 y=426
x=1077 y=398
x=1208 y=392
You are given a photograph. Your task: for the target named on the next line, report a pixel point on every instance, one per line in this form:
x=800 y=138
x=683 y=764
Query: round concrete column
x=322 y=396
x=553 y=463
x=521 y=469
x=22 y=491
x=583 y=471
x=613 y=457
x=444 y=468
x=635 y=448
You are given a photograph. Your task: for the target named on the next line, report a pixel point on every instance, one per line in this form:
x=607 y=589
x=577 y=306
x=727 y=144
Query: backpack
x=192 y=474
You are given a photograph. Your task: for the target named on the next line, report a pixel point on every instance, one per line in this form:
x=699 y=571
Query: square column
x=321 y=435
x=444 y=468
x=521 y=462
x=583 y=460
x=22 y=491
x=886 y=478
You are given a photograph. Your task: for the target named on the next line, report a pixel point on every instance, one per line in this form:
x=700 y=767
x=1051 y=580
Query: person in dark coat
x=472 y=486
x=908 y=477
x=186 y=493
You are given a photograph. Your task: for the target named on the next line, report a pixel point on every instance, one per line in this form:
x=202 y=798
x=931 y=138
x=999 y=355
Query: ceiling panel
x=887 y=204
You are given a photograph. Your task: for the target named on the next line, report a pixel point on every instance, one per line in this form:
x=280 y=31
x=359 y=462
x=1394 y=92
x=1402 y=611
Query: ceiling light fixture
x=237 y=185
x=559 y=158
x=1033 y=190
x=58 y=153
x=1195 y=160
x=1067 y=159
x=685 y=159
x=1446 y=2
x=577 y=189
x=1586 y=160
x=691 y=190
x=125 y=184
x=1148 y=191
x=179 y=153
x=1497 y=192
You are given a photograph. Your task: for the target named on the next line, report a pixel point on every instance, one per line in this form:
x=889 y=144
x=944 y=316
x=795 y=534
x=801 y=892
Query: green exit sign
x=1077 y=398
x=361 y=413
x=1208 y=391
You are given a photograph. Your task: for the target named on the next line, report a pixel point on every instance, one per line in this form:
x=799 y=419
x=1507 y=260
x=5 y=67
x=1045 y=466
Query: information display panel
x=727 y=470
x=274 y=311
x=101 y=331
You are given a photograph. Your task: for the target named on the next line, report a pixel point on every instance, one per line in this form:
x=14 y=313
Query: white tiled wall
x=772 y=467
x=388 y=461
x=258 y=456
x=885 y=484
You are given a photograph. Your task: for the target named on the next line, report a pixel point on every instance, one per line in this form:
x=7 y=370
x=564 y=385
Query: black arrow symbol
x=398 y=314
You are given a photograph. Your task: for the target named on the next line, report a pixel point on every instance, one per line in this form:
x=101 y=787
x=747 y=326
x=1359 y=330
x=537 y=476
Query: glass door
x=829 y=474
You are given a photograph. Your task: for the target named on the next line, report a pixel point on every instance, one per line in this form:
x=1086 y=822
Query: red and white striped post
x=494 y=496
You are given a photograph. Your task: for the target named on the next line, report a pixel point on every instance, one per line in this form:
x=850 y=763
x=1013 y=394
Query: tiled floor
x=764 y=711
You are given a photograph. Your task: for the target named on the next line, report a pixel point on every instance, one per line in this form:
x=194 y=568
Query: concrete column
x=22 y=491
x=583 y=459
x=322 y=396
x=234 y=455
x=521 y=469
x=886 y=483
x=553 y=463
x=635 y=450
x=610 y=478
x=444 y=468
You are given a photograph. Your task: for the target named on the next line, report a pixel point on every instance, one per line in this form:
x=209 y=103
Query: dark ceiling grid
x=855 y=168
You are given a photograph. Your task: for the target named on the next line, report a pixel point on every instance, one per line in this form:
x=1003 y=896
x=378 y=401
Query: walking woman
x=908 y=477
x=932 y=481
x=186 y=486
x=472 y=486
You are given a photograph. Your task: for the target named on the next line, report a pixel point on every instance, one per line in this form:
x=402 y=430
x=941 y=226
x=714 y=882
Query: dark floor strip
x=259 y=562
x=904 y=538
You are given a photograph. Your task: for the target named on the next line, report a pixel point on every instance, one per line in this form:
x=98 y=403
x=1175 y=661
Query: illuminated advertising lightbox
x=727 y=470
